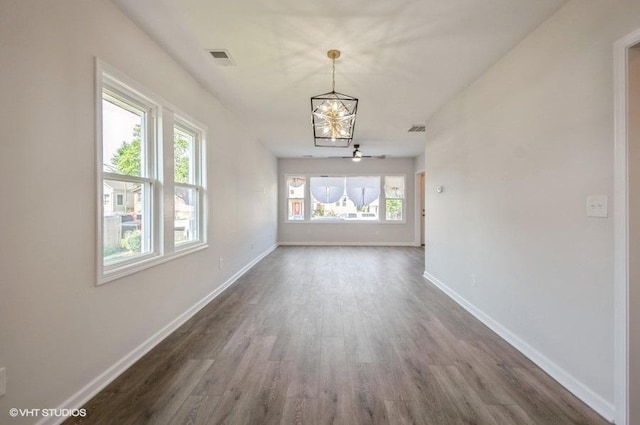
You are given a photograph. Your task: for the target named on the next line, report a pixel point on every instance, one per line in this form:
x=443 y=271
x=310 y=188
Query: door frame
x=418 y=209
x=422 y=177
x=621 y=225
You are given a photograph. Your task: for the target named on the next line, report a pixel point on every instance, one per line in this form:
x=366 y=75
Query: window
x=394 y=197
x=132 y=227
x=295 y=200
x=188 y=188
x=128 y=124
x=343 y=199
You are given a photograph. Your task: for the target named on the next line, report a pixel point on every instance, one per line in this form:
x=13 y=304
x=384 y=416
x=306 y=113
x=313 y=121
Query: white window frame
x=197 y=181
x=158 y=209
x=403 y=199
x=304 y=198
x=382 y=213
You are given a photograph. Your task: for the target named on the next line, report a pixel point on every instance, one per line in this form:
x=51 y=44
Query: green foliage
x=111 y=250
x=394 y=209
x=181 y=148
x=132 y=240
x=319 y=211
x=127 y=158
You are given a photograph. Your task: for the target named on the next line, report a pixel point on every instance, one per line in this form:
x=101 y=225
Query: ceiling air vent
x=221 y=57
x=417 y=129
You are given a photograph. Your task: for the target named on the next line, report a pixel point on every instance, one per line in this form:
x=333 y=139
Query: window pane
x=125 y=231
x=122 y=134
x=363 y=190
x=295 y=190
x=186 y=215
x=183 y=151
x=394 y=209
x=344 y=198
x=394 y=192
x=326 y=189
x=296 y=209
x=394 y=186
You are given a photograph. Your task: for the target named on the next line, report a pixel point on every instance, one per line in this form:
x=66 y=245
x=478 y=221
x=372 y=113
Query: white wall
x=517 y=153
x=58 y=331
x=347 y=233
x=419 y=163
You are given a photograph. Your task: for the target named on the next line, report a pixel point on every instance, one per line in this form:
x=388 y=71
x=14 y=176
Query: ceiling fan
x=357 y=156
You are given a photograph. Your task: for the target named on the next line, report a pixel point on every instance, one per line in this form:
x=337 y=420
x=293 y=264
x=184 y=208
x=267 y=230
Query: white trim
x=197 y=182
x=346 y=221
x=97 y=174
x=308 y=202
x=417 y=210
x=124 y=88
x=145 y=263
x=621 y=223
x=159 y=211
x=346 y=243
x=564 y=378
x=87 y=392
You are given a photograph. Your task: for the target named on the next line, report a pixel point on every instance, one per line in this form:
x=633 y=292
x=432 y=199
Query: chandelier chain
x=333 y=79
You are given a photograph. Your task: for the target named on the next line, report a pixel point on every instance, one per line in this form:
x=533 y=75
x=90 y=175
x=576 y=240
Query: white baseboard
x=85 y=394
x=580 y=390
x=346 y=244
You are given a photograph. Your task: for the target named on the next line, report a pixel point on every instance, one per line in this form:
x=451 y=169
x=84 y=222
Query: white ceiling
x=402 y=58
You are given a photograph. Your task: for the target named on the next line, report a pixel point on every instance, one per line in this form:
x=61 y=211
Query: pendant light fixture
x=333 y=114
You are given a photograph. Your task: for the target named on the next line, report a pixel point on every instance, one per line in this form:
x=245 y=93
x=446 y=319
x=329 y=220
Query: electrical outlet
x=220 y=264
x=3 y=381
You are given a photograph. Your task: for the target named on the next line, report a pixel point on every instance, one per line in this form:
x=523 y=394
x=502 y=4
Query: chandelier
x=333 y=114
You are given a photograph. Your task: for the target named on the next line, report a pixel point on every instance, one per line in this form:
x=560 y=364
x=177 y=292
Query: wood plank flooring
x=335 y=335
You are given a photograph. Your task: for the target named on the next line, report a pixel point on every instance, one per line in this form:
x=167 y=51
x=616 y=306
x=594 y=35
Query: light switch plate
x=597 y=206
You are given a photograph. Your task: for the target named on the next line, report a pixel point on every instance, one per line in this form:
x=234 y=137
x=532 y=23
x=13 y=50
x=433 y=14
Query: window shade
x=326 y=189
x=363 y=190
x=394 y=187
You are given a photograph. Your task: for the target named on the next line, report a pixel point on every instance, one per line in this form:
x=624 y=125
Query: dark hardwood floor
x=335 y=335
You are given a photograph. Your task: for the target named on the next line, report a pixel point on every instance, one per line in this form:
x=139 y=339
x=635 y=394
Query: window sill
x=148 y=262
x=342 y=222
